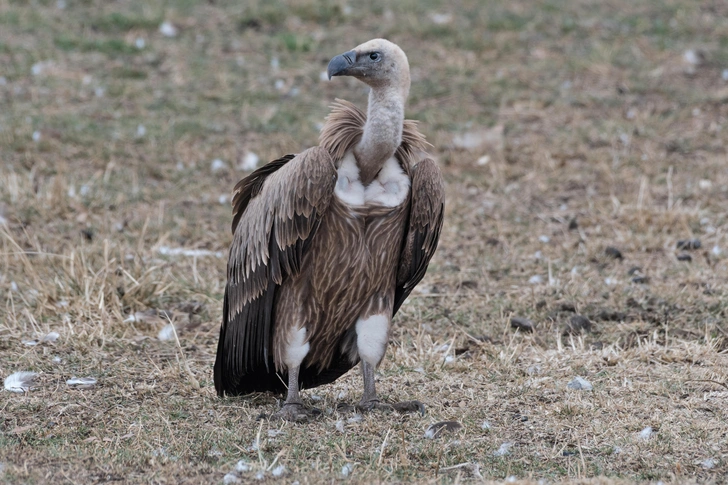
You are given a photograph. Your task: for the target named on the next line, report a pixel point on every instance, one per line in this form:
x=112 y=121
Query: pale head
x=378 y=63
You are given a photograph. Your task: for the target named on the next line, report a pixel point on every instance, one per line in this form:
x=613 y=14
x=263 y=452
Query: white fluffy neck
x=382 y=131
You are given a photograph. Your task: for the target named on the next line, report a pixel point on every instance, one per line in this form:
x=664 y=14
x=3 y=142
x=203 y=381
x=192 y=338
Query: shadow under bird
x=329 y=243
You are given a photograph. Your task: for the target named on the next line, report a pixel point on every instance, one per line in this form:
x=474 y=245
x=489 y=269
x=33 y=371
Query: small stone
x=692 y=57
x=141 y=131
x=535 y=280
x=724 y=75
x=634 y=270
x=249 y=162
x=139 y=43
x=573 y=224
x=708 y=464
x=230 y=478
x=684 y=257
x=435 y=430
x=278 y=471
x=640 y=280
x=544 y=239
x=486 y=425
x=522 y=324
x=613 y=252
x=167 y=29
x=577 y=324
x=346 y=469
x=36 y=136
x=483 y=160
x=580 y=384
x=689 y=244
x=217 y=165
x=242 y=466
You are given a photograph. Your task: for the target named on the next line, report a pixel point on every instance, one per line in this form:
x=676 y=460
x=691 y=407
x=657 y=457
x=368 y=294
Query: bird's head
x=378 y=63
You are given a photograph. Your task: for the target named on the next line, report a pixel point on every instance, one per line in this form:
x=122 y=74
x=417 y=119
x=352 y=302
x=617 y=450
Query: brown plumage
x=329 y=243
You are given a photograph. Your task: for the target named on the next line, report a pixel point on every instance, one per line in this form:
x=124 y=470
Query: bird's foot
x=295 y=412
x=400 y=407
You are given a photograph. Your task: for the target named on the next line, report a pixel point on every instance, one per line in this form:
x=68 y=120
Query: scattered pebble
x=610 y=281
x=544 y=239
x=640 y=280
x=486 y=425
x=167 y=29
x=684 y=257
x=22 y=381
x=646 y=433
x=708 y=464
x=522 y=324
x=38 y=68
x=435 y=430
x=141 y=131
x=503 y=450
x=249 y=162
x=577 y=324
x=440 y=18
x=278 y=471
x=346 y=469
x=716 y=250
x=580 y=384
x=242 y=466
x=140 y=43
x=275 y=63
x=692 y=56
x=57 y=360
x=613 y=252
x=483 y=160
x=280 y=84
x=689 y=244
x=724 y=75
x=573 y=224
x=36 y=136
x=81 y=382
x=260 y=476
x=535 y=279
x=217 y=165
x=230 y=478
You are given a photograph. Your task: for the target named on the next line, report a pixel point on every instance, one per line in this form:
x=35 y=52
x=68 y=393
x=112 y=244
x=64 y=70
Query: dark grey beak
x=341 y=63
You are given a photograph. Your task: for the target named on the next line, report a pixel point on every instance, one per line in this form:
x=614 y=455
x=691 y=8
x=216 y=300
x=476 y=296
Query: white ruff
x=389 y=189
x=372 y=336
x=297 y=347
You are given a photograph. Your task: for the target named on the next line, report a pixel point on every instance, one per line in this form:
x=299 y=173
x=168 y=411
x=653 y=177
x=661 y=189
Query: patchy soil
x=585 y=150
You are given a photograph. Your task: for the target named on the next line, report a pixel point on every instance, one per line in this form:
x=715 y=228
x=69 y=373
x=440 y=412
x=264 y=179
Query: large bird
x=329 y=243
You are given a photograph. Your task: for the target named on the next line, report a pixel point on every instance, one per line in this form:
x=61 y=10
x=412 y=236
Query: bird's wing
x=276 y=211
x=423 y=230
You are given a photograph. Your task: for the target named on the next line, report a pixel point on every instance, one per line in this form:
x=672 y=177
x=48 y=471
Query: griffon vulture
x=329 y=243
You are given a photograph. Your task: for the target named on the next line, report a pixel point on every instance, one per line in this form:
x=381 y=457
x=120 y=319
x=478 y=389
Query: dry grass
x=599 y=133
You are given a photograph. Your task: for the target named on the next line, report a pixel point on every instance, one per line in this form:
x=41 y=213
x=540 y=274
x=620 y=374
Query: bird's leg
x=293 y=408
x=370 y=401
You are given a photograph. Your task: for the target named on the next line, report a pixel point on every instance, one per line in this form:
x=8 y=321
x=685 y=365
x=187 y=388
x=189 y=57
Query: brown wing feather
x=277 y=210
x=423 y=232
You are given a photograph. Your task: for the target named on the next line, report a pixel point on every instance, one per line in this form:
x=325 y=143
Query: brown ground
x=604 y=124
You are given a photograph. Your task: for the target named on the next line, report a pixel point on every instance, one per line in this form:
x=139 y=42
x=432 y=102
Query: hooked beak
x=339 y=65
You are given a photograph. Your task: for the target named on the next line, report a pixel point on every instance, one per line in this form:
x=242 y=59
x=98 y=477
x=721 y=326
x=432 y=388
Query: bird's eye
x=375 y=56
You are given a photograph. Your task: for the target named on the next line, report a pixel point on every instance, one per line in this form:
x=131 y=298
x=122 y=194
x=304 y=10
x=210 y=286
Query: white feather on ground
x=22 y=381
x=81 y=382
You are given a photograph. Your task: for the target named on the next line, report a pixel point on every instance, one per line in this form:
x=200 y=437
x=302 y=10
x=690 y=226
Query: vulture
x=328 y=243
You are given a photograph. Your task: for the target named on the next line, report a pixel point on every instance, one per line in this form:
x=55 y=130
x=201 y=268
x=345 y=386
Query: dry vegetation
x=563 y=128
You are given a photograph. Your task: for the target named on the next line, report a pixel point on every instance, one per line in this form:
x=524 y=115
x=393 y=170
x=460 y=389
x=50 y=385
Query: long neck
x=382 y=131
